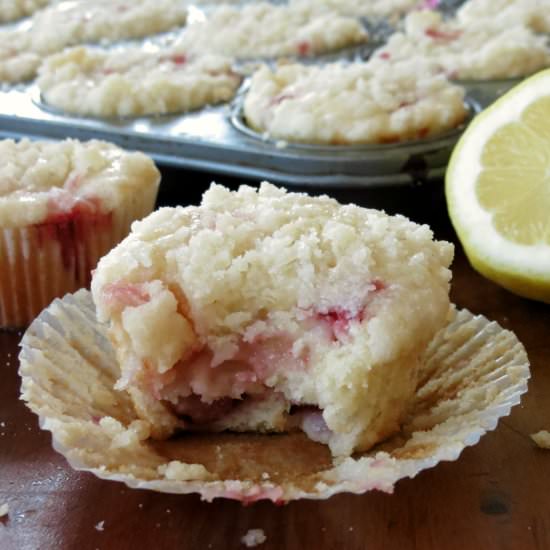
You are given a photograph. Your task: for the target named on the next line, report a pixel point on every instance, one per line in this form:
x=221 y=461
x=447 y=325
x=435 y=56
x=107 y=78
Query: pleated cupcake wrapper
x=472 y=374
x=41 y=262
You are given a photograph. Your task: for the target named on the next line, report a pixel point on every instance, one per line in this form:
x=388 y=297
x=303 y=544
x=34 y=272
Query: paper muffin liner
x=472 y=373
x=44 y=261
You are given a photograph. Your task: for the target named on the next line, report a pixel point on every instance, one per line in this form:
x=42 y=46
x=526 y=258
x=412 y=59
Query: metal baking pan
x=216 y=139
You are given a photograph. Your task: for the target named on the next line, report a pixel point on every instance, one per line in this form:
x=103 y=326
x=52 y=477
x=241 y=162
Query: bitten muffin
x=63 y=205
x=271 y=311
x=343 y=104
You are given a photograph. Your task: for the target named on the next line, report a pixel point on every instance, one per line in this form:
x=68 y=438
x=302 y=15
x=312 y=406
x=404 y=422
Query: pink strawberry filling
x=336 y=321
x=244 y=373
x=442 y=36
x=304 y=48
x=423 y=132
x=203 y=390
x=203 y=386
x=66 y=207
x=72 y=221
x=120 y=294
x=180 y=59
x=280 y=98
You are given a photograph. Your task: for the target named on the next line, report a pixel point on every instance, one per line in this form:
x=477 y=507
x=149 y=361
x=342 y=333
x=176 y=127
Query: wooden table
x=497 y=495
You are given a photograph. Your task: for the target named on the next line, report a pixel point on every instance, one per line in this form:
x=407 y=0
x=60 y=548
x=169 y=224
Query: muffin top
x=266 y=30
x=42 y=181
x=353 y=103
x=68 y=23
x=481 y=49
x=372 y=8
x=134 y=81
x=534 y=13
x=251 y=261
x=11 y=10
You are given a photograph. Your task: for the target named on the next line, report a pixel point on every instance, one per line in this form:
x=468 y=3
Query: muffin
x=10 y=10
x=69 y=23
x=63 y=205
x=372 y=8
x=18 y=62
x=134 y=81
x=534 y=13
x=480 y=49
x=266 y=30
x=357 y=103
x=269 y=311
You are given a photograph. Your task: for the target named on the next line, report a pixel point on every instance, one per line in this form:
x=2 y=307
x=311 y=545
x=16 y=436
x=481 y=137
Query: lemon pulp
x=515 y=186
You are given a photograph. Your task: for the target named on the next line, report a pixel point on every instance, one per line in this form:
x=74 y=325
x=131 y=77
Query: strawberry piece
x=442 y=36
x=304 y=48
x=122 y=294
x=179 y=59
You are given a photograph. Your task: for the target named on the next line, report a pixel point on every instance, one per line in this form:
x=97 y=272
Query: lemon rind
x=521 y=268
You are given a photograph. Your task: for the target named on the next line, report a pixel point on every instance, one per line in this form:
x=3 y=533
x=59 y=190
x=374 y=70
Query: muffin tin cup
x=374 y=150
x=46 y=260
x=472 y=373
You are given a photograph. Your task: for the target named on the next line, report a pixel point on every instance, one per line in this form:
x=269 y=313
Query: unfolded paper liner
x=44 y=261
x=473 y=372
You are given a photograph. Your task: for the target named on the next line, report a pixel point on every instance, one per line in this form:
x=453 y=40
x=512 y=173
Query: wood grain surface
x=496 y=496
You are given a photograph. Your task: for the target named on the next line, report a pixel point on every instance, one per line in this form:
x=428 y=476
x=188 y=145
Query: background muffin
x=356 y=103
x=62 y=206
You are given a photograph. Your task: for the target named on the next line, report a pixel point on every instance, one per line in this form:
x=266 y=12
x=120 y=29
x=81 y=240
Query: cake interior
x=245 y=386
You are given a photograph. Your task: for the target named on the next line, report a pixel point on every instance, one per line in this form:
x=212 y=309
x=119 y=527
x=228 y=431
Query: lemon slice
x=498 y=189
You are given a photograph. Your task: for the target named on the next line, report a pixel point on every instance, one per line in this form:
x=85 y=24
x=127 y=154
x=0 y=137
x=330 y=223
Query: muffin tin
x=216 y=139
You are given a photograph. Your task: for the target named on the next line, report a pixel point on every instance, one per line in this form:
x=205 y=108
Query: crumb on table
x=4 y=510
x=254 y=537
x=100 y=526
x=542 y=439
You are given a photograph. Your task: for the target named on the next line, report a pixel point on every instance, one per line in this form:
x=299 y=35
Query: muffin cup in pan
x=413 y=161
